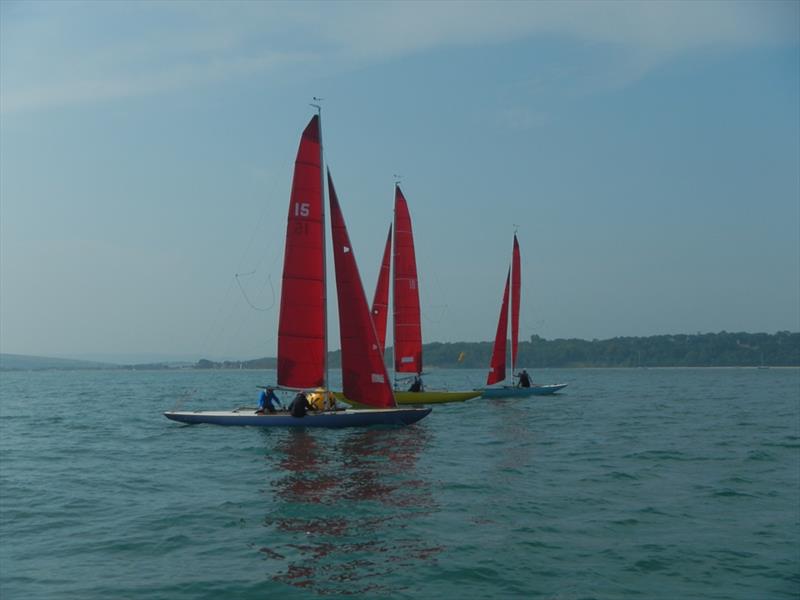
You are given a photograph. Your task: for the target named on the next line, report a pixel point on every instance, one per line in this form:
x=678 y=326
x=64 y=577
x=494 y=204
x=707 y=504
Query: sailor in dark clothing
x=267 y=401
x=300 y=405
x=417 y=385
x=524 y=379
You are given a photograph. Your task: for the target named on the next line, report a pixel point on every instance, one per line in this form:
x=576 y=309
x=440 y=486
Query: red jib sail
x=380 y=303
x=515 y=289
x=364 y=377
x=301 y=328
x=407 y=326
x=497 y=368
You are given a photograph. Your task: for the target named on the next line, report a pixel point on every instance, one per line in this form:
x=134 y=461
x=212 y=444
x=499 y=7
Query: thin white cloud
x=59 y=53
x=168 y=78
x=521 y=117
x=668 y=27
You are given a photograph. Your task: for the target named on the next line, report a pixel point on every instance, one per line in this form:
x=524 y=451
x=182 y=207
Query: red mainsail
x=380 y=302
x=407 y=326
x=497 y=368
x=515 y=289
x=364 y=376
x=301 y=328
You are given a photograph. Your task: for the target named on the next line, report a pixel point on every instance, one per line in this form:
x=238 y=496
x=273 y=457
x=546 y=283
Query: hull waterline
x=329 y=419
x=522 y=392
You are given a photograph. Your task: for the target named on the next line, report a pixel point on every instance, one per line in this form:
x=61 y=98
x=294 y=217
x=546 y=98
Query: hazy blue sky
x=649 y=153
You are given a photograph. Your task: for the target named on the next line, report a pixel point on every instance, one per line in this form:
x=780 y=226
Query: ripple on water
x=549 y=499
x=730 y=493
x=760 y=455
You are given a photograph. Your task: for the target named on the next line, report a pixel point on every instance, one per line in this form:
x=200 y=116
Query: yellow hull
x=433 y=397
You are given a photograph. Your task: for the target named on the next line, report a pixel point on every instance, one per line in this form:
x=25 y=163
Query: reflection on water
x=344 y=507
x=511 y=430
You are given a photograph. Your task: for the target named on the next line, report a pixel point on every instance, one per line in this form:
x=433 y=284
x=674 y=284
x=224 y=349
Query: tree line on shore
x=722 y=349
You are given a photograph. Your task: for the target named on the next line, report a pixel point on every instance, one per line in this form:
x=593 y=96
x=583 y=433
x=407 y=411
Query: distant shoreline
x=151 y=368
x=710 y=350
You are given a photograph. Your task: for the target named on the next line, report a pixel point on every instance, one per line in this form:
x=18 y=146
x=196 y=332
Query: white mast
x=393 y=270
x=511 y=304
x=324 y=251
x=392 y=267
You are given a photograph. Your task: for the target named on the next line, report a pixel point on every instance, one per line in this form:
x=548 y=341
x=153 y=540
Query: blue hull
x=508 y=391
x=336 y=419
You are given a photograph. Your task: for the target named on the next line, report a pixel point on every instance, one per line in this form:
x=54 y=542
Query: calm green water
x=631 y=484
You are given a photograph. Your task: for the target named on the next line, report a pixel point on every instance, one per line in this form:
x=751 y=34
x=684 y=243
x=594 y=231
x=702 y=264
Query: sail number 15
x=301 y=209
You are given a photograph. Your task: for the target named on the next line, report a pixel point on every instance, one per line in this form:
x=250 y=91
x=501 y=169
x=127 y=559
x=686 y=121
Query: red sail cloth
x=364 y=376
x=497 y=368
x=515 y=293
x=301 y=327
x=380 y=302
x=407 y=326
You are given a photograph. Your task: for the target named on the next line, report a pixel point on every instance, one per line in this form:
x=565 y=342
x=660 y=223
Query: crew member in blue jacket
x=267 y=400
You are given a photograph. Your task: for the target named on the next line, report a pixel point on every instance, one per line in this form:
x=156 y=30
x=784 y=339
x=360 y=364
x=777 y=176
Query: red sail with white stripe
x=301 y=328
x=407 y=325
x=515 y=293
x=380 y=302
x=497 y=368
x=364 y=376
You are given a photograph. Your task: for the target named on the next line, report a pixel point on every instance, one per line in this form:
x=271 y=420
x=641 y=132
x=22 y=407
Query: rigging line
x=275 y=228
x=271 y=252
x=244 y=293
x=212 y=335
x=272 y=233
x=257 y=227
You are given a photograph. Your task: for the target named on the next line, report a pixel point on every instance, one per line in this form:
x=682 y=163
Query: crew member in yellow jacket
x=321 y=400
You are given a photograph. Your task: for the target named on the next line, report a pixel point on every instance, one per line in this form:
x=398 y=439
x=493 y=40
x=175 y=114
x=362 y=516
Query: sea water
x=637 y=483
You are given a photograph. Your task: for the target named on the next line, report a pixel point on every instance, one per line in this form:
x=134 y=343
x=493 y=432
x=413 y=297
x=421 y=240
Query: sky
x=647 y=153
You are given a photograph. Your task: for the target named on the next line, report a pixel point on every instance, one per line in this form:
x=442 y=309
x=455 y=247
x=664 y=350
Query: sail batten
x=301 y=326
x=364 y=376
x=407 y=322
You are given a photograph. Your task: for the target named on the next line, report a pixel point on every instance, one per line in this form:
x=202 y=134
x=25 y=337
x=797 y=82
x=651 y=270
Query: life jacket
x=322 y=400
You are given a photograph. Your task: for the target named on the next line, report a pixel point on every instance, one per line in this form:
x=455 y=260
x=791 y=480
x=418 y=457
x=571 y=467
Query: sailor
x=267 y=400
x=300 y=405
x=329 y=403
x=417 y=385
x=524 y=379
x=322 y=400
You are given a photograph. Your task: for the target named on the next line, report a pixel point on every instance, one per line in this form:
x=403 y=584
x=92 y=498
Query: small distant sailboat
x=302 y=329
x=406 y=322
x=497 y=368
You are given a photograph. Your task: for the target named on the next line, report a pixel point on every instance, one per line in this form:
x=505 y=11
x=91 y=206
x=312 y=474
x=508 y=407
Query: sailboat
x=497 y=366
x=302 y=329
x=406 y=322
